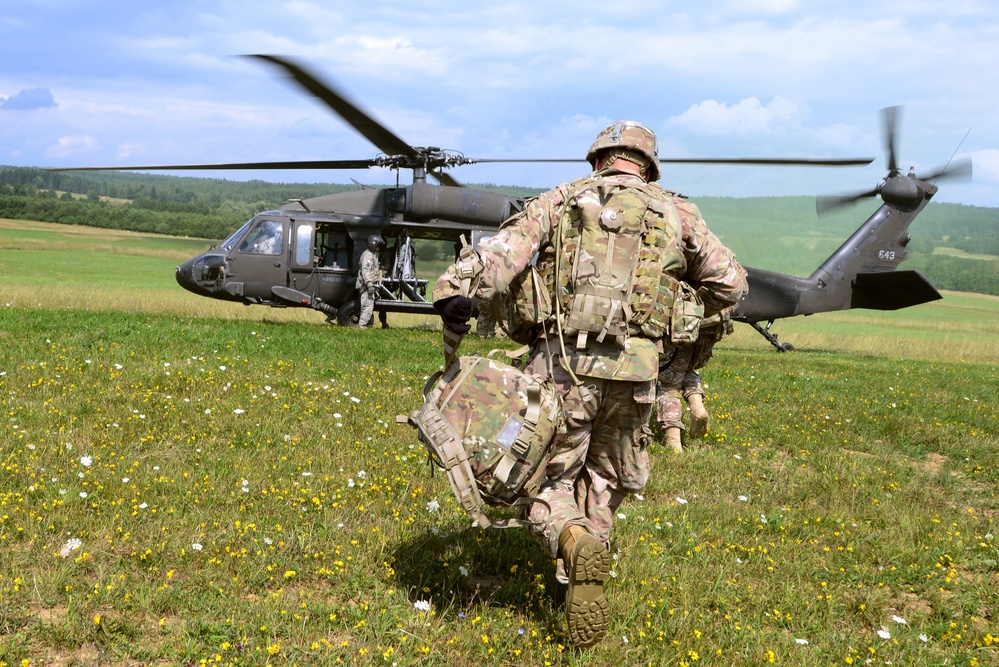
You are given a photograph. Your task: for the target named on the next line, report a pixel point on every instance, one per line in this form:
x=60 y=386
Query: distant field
x=64 y=266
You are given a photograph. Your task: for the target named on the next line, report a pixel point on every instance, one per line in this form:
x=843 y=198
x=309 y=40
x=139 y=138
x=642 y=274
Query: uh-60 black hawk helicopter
x=306 y=253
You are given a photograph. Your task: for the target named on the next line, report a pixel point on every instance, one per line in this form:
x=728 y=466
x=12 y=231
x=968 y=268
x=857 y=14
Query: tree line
x=777 y=233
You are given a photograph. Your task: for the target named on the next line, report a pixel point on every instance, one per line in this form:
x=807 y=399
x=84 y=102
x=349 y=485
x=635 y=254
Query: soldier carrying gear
x=369 y=277
x=616 y=259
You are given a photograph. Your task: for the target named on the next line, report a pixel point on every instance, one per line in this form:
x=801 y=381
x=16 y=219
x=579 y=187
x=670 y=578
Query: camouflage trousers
x=678 y=377
x=485 y=323
x=600 y=459
x=367 y=297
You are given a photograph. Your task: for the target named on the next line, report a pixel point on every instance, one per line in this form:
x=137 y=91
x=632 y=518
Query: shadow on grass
x=463 y=569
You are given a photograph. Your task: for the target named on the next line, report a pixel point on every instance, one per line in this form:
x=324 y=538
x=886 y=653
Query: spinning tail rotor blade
x=959 y=170
x=890 y=116
x=826 y=204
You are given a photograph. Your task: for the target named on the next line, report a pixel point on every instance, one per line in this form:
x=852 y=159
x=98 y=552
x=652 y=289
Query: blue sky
x=112 y=82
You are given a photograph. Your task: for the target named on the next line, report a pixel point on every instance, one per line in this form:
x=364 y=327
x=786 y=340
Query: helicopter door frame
x=254 y=265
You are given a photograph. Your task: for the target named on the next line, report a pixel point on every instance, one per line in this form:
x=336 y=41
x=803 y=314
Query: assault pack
x=489 y=426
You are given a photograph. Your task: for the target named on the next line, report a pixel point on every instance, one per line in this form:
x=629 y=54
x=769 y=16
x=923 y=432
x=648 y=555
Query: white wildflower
x=803 y=642
x=681 y=500
x=884 y=634
x=197 y=546
x=899 y=620
x=744 y=499
x=422 y=605
x=72 y=544
x=463 y=570
x=85 y=461
x=433 y=506
x=924 y=638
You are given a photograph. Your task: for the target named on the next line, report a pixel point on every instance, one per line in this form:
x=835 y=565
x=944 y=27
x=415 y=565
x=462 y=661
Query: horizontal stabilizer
x=892 y=290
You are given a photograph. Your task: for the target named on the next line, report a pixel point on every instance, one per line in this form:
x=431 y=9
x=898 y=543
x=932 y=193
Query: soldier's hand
x=455 y=312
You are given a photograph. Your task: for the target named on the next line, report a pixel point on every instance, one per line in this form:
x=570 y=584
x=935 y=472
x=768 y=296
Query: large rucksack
x=489 y=425
x=613 y=257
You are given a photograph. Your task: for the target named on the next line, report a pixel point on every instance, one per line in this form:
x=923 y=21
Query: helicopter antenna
x=951 y=159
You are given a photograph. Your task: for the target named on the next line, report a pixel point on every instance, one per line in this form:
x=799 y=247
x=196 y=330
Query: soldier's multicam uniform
x=368 y=278
x=680 y=377
x=485 y=323
x=602 y=456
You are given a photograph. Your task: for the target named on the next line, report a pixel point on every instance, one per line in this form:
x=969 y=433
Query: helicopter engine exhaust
x=424 y=201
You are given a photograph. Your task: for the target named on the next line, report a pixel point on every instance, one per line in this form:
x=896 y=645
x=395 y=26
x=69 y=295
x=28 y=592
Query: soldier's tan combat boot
x=698 y=416
x=673 y=439
x=587 y=566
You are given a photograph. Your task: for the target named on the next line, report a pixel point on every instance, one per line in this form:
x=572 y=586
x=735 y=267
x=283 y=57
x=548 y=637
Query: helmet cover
x=628 y=135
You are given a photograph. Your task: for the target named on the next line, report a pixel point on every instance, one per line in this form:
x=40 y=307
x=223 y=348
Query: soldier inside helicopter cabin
x=617 y=257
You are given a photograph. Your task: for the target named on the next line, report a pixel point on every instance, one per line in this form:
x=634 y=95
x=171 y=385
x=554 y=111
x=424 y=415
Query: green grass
x=249 y=499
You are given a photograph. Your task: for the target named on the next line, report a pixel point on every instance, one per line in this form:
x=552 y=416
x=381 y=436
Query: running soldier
x=612 y=249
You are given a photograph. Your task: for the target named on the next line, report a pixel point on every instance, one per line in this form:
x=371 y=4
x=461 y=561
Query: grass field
x=189 y=482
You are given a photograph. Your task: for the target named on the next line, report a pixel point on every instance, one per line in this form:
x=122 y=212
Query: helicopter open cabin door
x=259 y=260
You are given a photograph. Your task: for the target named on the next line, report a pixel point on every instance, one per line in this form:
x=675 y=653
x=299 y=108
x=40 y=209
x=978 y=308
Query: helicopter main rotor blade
x=446 y=178
x=789 y=161
x=293 y=164
x=371 y=129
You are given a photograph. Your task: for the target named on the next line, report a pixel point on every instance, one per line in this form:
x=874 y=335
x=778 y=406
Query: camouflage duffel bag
x=489 y=425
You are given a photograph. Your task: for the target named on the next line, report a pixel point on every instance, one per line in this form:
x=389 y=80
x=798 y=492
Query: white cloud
x=746 y=118
x=69 y=146
x=986 y=165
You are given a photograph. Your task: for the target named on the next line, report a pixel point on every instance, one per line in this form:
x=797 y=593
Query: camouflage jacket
x=370 y=272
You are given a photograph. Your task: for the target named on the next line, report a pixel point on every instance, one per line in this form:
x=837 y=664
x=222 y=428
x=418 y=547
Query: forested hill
x=956 y=246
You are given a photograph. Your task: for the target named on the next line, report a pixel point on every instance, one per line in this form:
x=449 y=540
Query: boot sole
x=586 y=609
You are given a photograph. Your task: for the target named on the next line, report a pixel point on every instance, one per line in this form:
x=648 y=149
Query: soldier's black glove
x=455 y=311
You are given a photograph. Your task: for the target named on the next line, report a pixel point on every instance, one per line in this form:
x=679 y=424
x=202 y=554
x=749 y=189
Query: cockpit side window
x=266 y=239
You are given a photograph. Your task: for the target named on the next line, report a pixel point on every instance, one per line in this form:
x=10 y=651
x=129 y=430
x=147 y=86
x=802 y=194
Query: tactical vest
x=612 y=262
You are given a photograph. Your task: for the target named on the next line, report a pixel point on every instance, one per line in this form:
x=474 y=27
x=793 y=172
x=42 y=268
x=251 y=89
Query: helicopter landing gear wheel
x=349 y=313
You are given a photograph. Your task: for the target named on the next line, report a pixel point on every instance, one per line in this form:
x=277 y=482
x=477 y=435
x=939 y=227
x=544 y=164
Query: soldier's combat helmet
x=375 y=241
x=631 y=136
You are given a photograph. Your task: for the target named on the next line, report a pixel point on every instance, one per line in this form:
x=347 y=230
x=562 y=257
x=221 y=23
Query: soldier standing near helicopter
x=599 y=344
x=369 y=277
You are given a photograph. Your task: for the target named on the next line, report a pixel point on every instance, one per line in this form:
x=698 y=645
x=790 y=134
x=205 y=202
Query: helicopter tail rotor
x=896 y=188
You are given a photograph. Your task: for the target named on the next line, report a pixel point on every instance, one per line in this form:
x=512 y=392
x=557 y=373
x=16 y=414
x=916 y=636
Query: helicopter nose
x=204 y=274
x=184 y=277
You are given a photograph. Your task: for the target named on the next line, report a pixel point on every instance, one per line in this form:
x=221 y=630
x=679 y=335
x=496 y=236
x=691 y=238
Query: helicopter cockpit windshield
x=230 y=242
